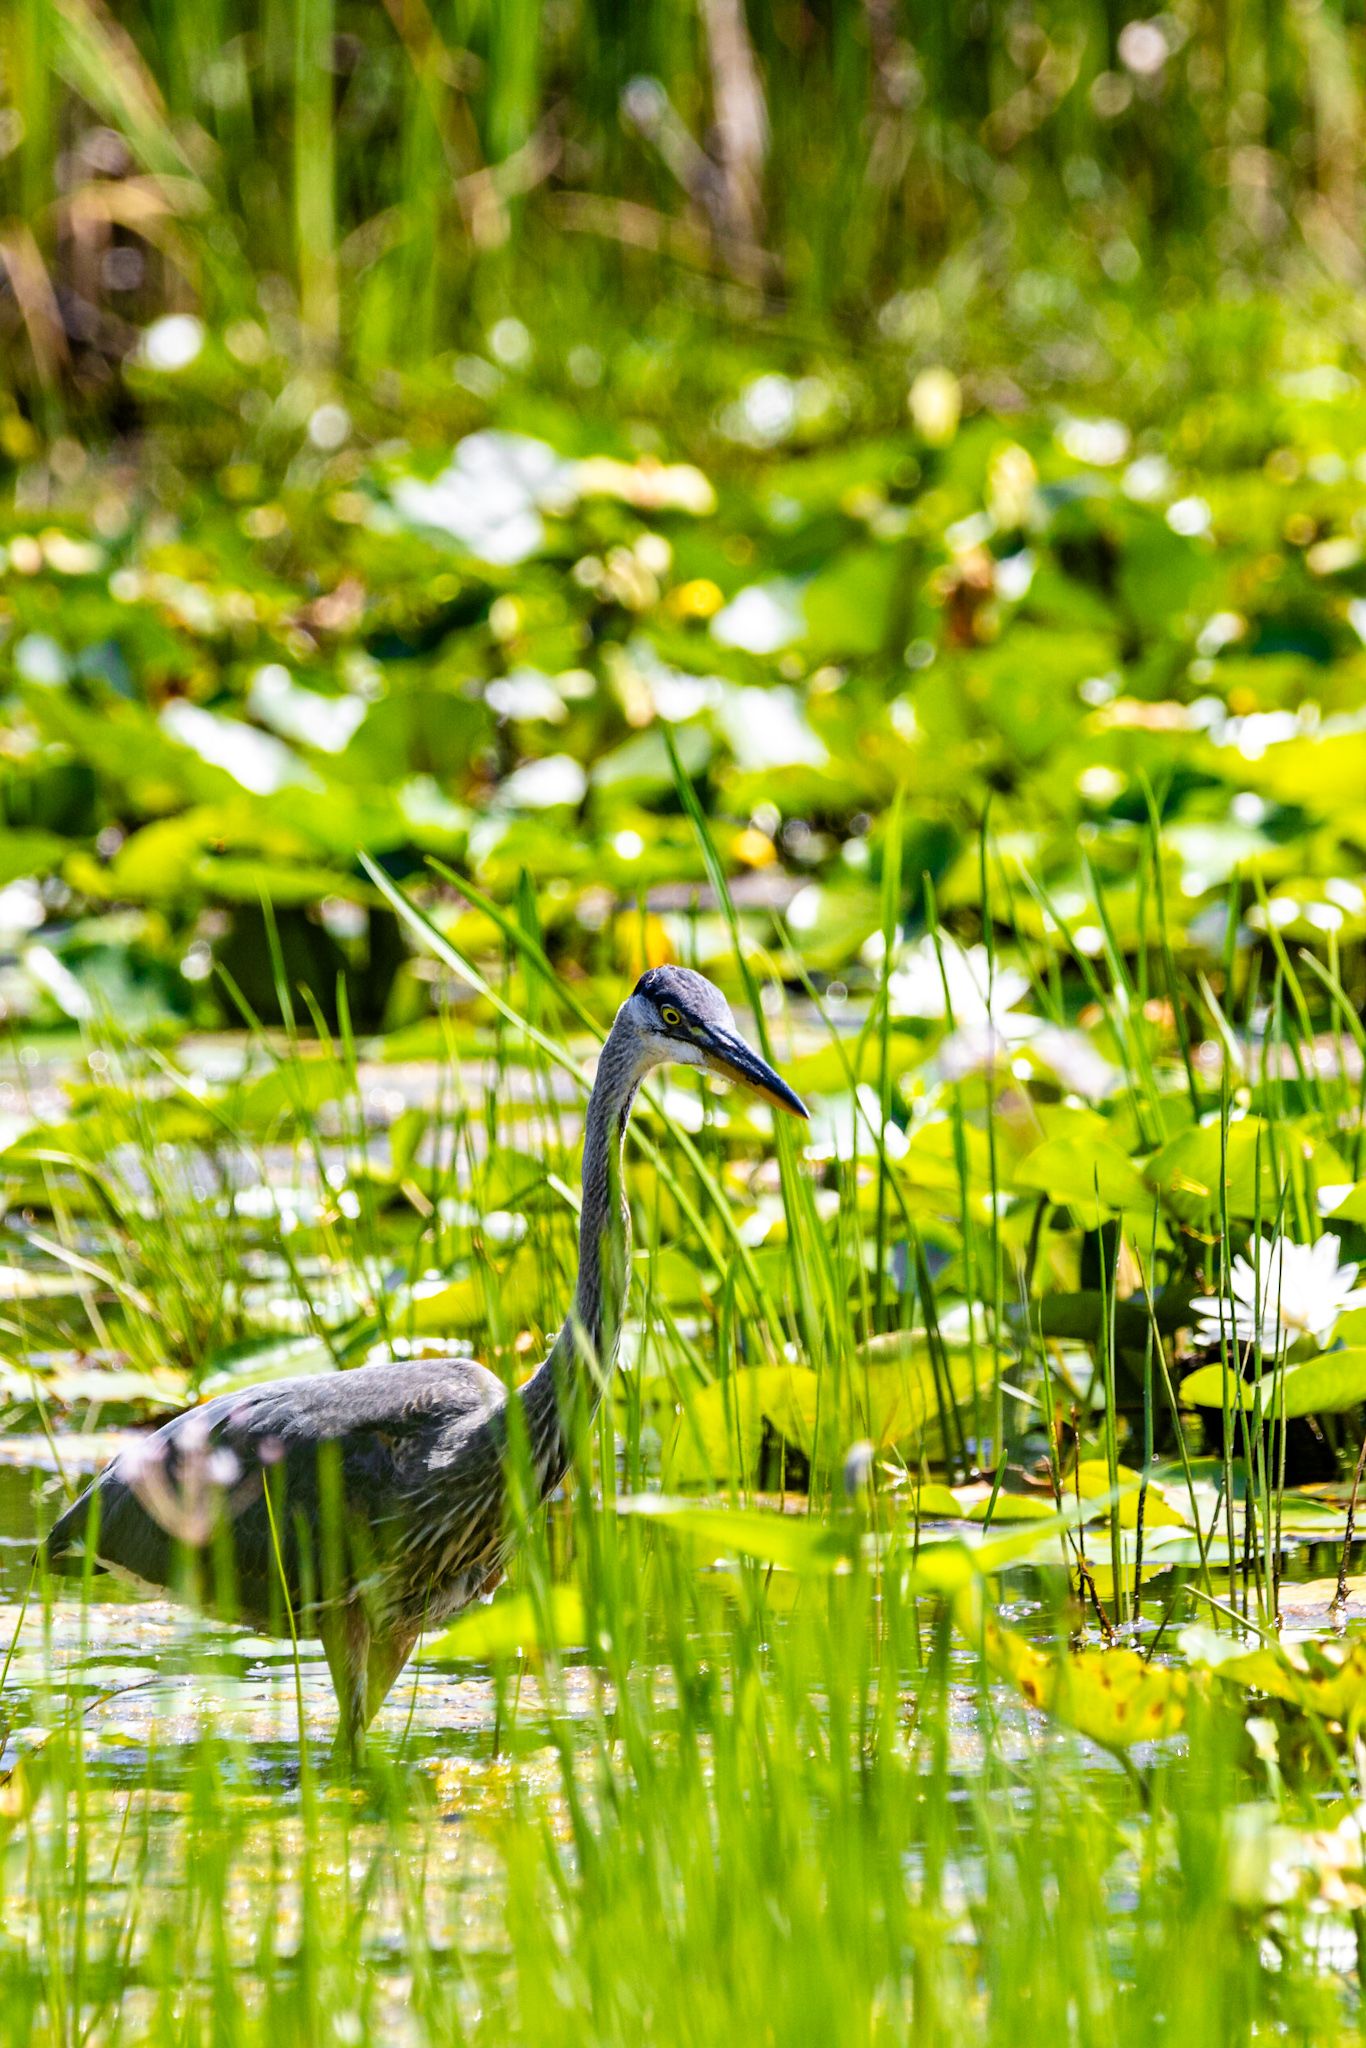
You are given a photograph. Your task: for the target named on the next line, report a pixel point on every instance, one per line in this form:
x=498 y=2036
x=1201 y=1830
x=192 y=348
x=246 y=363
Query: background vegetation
x=1030 y=188
x=864 y=499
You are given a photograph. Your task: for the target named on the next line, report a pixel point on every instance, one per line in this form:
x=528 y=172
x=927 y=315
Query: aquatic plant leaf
x=893 y=1395
x=1313 y=1603
x=29 y=853
x=896 y=1400
x=263 y=1358
x=292 y=1089
x=1031 y=1542
x=1113 y=1696
x=1091 y=1479
x=431 y=1306
x=720 y=1427
x=1328 y=1385
x=1327 y=1679
x=75 y=1384
x=1272 y=1863
x=933 y=1502
x=1188 y=1170
x=1012 y=1507
x=1080 y=1172
x=25 y=1774
x=798 y=1542
x=1345 y=1204
x=517 y=1625
x=1085 y=1315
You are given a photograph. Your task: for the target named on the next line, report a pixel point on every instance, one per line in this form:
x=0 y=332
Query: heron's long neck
x=583 y=1355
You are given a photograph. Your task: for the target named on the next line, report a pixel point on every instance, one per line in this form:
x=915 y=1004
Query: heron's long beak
x=733 y=1058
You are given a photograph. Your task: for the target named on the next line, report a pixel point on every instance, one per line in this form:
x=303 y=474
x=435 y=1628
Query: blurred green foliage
x=1041 y=188
x=411 y=412
x=233 y=664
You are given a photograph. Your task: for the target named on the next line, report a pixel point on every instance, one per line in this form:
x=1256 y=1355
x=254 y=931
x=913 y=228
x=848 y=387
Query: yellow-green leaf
x=516 y=1625
x=1327 y=1385
x=1112 y=1696
x=1078 y=1171
x=795 y=1542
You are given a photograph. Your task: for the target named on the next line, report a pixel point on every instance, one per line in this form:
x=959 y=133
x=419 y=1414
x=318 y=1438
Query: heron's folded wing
x=345 y=1456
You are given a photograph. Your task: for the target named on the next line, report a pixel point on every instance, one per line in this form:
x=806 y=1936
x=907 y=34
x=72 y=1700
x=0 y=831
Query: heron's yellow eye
x=670 y=1015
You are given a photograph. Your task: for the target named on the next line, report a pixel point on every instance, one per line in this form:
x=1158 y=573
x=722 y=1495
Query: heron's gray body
x=367 y=1505
x=418 y=1444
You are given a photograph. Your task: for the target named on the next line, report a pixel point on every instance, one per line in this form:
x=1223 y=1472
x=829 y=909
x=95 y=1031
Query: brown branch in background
x=1335 y=99
x=896 y=90
x=741 y=121
x=150 y=208
x=883 y=41
x=644 y=227
x=1338 y=250
x=647 y=106
x=723 y=183
x=483 y=195
x=97 y=54
x=444 y=80
x=22 y=262
x=373 y=240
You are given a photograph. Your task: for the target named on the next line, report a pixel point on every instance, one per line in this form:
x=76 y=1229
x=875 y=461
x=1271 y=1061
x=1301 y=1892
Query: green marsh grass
x=693 y=1792
x=725 y=1767
x=375 y=186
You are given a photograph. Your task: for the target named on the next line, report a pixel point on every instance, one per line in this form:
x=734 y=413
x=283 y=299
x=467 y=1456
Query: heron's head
x=677 y=1015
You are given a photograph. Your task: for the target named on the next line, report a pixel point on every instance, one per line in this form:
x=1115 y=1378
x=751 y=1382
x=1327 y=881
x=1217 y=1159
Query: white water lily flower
x=988 y=1029
x=1300 y=1291
x=975 y=995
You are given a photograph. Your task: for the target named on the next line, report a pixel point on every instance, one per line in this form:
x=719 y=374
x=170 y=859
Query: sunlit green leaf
x=1083 y=1173
x=1329 y=1385
x=516 y=1625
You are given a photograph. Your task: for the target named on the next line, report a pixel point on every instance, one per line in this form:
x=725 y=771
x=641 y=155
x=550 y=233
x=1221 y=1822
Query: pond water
x=185 y=1733
x=155 y=1810
x=147 y=1674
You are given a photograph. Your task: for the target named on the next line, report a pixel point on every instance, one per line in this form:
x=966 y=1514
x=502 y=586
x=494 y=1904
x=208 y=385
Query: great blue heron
x=364 y=1506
